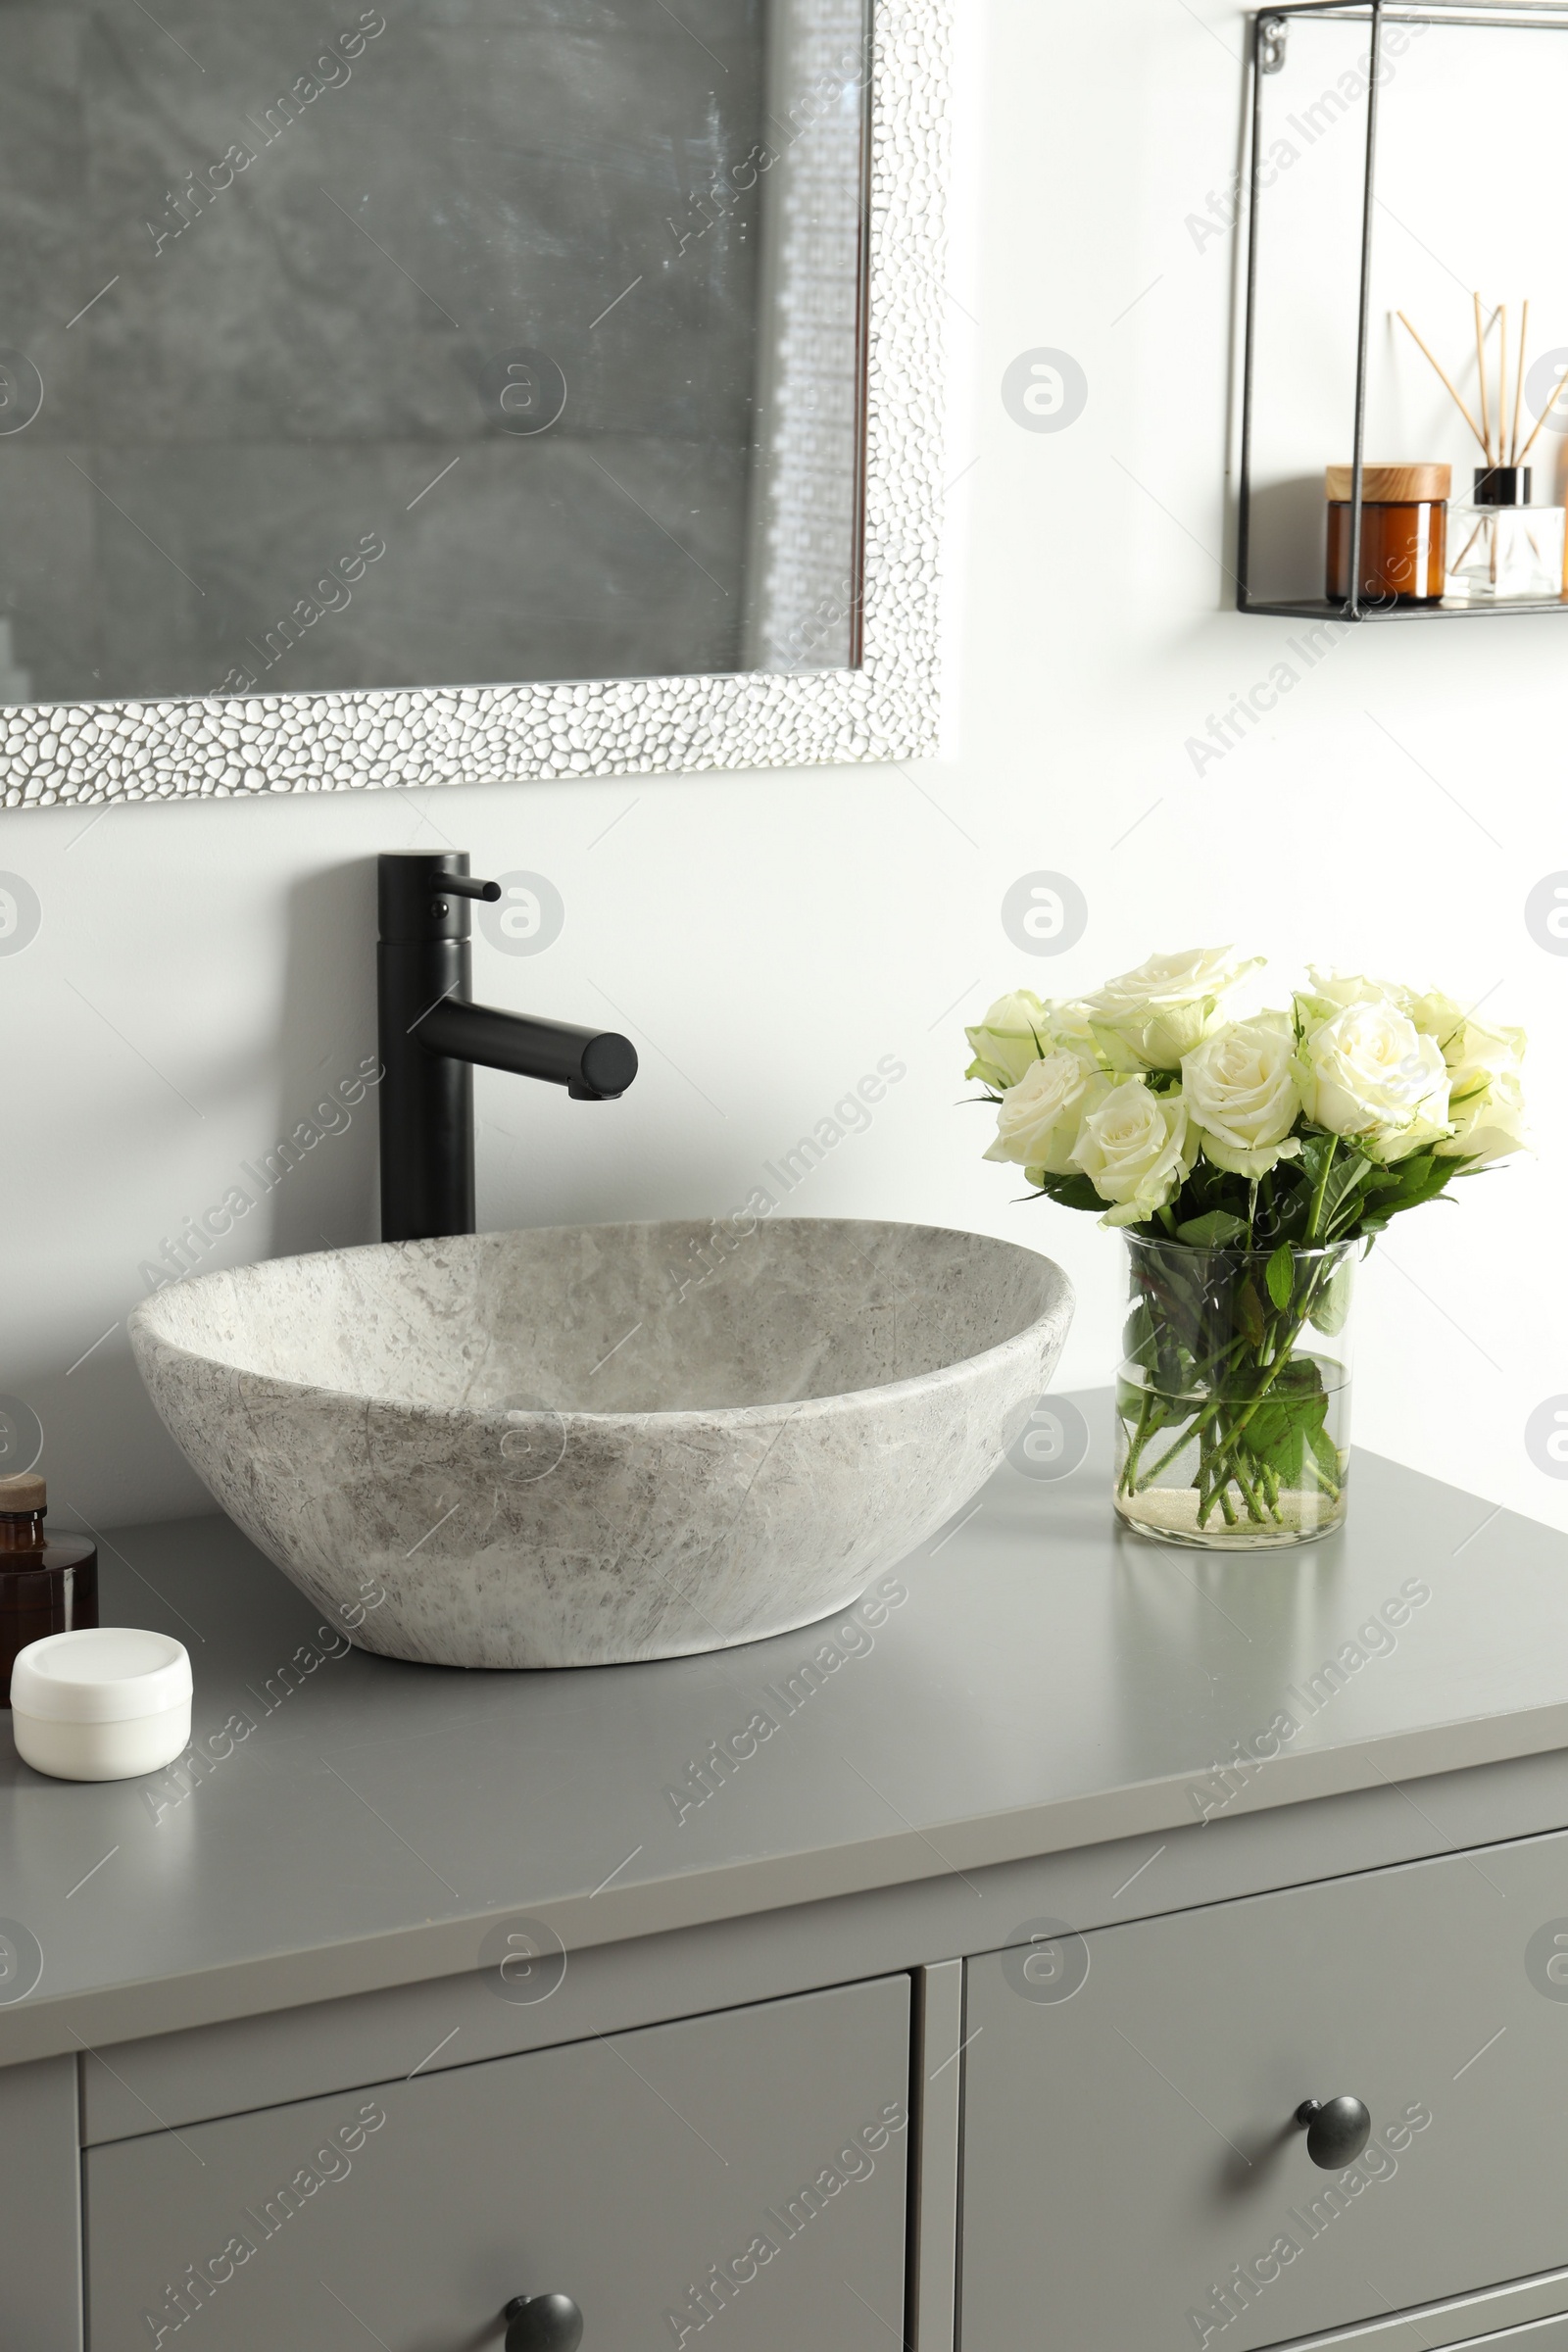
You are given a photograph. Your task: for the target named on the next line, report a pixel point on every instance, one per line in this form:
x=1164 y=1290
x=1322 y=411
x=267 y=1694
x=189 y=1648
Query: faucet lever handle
x=463 y=885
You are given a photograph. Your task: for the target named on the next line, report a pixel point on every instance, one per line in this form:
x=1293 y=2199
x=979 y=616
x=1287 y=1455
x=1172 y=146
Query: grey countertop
x=1032 y=1680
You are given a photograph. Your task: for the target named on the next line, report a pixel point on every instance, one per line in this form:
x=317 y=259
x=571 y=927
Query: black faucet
x=431 y=1034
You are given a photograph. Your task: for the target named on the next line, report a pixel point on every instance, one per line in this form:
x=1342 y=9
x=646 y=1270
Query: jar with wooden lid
x=1404 y=515
x=48 y=1580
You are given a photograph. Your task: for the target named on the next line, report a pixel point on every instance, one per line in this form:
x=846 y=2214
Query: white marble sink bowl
x=599 y=1443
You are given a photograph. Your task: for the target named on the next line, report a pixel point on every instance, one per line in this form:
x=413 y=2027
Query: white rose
x=1433 y=1013
x=1014 y=1034
x=1147 y=1019
x=1487 y=1096
x=1370 y=1074
x=1241 y=1095
x=1134 y=1150
x=1038 y=1120
x=1329 y=993
x=1490 y=1124
x=1070 y=1027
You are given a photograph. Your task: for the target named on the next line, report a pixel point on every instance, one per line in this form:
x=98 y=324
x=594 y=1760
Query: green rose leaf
x=1140 y=1340
x=1250 y=1312
x=1330 y=1468
x=1284 y=1429
x=1316 y=1148
x=1074 y=1192
x=1218 y=1230
x=1422 y=1177
x=1280 y=1275
x=1332 y=1306
x=1344 y=1193
x=1408 y=1184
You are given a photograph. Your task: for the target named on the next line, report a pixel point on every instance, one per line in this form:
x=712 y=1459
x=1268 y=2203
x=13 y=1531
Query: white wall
x=204 y=971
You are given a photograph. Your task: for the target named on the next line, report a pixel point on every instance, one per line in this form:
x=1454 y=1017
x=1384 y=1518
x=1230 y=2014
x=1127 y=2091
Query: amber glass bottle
x=48 y=1583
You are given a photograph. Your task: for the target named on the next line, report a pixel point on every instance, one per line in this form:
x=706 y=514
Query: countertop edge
x=410 y=1955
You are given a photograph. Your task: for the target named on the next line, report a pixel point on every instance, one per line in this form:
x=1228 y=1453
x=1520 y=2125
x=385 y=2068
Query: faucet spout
x=432 y=1034
x=594 y=1065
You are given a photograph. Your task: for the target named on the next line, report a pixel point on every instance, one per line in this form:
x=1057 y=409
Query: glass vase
x=1233 y=1405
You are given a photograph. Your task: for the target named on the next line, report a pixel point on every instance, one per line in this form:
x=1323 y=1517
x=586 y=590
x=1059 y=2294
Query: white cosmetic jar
x=102 y=1704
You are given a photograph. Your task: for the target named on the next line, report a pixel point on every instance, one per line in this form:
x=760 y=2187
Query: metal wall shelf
x=1449 y=608
x=1270 y=49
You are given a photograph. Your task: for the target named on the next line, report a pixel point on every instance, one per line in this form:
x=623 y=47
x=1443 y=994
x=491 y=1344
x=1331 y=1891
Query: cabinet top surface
x=1030 y=1681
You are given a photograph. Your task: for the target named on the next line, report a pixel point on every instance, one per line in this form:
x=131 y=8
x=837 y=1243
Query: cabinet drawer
x=1503 y=2320
x=745 y=2174
x=1133 y=2175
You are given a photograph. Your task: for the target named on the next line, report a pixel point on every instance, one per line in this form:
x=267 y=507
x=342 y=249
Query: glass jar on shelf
x=1403 y=528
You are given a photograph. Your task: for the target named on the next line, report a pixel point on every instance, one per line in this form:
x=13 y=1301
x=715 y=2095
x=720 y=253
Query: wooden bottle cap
x=1391 y=485
x=26 y=1493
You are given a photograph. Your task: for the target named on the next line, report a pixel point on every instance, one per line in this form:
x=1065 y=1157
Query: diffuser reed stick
x=1443 y=380
x=1509 y=451
x=1481 y=369
x=1519 y=382
x=1557 y=391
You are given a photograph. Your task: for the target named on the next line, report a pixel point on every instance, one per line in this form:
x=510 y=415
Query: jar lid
x=1391 y=485
x=103 y=1674
x=24 y=1492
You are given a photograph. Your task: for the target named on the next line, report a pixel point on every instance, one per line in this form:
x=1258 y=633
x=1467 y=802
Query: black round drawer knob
x=543 y=2324
x=1337 y=2131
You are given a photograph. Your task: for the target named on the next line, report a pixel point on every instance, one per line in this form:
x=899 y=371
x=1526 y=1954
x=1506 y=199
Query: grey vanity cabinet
x=745 y=2174
x=1132 y=2176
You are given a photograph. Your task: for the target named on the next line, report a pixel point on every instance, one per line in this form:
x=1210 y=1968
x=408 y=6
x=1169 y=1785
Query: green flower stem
x=1254 y=1509
x=1235 y=1435
x=1190 y=1430
x=1156 y=1420
x=1276 y=1350
x=1194 y=1426
x=1250 y=1494
x=1212 y=1489
x=1322 y=1187
x=1285 y=1348
x=1208 y=1489
x=1213 y=1486
x=1163 y=1421
x=1129 y=1469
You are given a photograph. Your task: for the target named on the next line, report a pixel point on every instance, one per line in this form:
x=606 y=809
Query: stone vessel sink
x=590 y=1443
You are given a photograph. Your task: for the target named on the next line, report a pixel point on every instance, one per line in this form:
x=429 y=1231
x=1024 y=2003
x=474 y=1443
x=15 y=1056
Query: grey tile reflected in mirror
x=446 y=342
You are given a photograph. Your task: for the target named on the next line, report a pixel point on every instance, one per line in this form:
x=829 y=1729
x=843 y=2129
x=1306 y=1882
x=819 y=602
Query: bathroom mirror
x=399 y=379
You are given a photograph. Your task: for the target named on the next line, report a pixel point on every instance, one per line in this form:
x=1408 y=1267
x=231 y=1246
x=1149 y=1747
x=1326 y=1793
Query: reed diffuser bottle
x=1501 y=548
x=48 y=1583
x=1505 y=547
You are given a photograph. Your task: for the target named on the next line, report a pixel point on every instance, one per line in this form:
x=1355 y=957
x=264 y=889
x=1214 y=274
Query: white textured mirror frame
x=887 y=709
